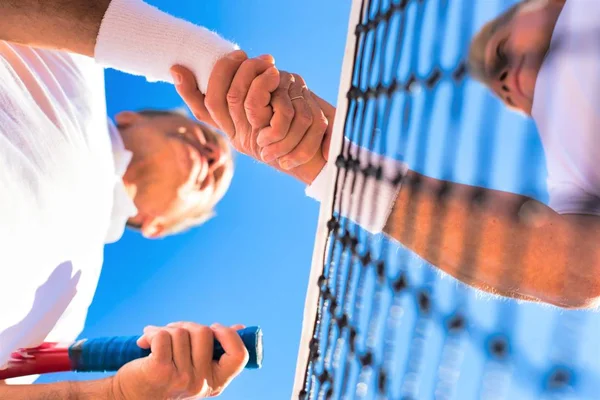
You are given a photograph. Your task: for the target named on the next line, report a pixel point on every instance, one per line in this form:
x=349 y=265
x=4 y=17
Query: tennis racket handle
x=110 y=354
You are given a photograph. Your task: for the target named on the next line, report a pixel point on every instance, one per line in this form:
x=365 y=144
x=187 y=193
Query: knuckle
x=252 y=102
x=251 y=114
x=305 y=117
x=240 y=361
x=162 y=334
x=285 y=80
x=321 y=123
x=211 y=103
x=287 y=111
x=178 y=331
x=301 y=156
x=254 y=63
x=277 y=135
x=299 y=79
x=234 y=96
x=203 y=331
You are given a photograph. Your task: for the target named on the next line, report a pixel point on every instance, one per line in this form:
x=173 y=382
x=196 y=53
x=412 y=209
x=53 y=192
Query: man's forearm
x=70 y=25
x=84 y=390
x=498 y=242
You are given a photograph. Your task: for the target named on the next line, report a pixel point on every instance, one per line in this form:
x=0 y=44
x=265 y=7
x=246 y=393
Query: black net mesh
x=389 y=326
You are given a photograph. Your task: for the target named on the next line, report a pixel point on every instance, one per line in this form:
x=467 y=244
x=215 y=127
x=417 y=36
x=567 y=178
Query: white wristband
x=370 y=202
x=139 y=39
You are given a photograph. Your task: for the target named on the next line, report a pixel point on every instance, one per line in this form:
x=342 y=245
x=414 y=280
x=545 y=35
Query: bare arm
x=496 y=241
x=500 y=242
x=70 y=25
x=85 y=390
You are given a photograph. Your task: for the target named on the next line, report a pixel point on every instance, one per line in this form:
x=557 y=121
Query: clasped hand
x=268 y=114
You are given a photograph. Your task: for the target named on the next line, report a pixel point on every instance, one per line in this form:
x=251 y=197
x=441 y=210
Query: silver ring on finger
x=297 y=98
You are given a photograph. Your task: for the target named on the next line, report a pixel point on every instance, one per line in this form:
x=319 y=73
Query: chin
x=522 y=111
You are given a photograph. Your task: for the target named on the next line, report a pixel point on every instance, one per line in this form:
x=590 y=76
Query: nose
x=502 y=86
x=502 y=79
x=210 y=148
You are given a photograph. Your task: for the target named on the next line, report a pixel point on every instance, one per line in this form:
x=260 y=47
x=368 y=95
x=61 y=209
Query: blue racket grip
x=110 y=354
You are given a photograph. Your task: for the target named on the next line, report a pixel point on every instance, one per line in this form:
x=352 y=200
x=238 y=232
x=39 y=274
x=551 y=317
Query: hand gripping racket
x=105 y=355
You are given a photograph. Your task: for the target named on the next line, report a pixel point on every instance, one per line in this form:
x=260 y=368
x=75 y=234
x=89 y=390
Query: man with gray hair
x=71 y=179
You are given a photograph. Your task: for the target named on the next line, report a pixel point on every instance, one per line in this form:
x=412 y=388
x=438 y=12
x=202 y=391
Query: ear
x=127 y=118
x=535 y=5
x=152 y=228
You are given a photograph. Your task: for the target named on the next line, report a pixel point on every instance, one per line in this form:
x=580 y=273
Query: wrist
x=139 y=39
x=308 y=172
x=114 y=391
x=375 y=178
x=92 y=390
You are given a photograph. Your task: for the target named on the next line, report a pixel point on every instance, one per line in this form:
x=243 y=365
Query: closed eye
x=501 y=59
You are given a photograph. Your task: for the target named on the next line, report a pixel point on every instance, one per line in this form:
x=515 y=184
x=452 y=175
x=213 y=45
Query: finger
x=301 y=123
x=329 y=112
x=310 y=144
x=160 y=345
x=238 y=91
x=187 y=88
x=218 y=86
x=283 y=112
x=182 y=349
x=143 y=341
x=258 y=101
x=238 y=327
x=201 y=343
x=202 y=340
x=235 y=357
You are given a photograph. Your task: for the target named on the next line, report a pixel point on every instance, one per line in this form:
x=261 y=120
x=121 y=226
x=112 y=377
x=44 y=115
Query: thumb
x=268 y=58
x=235 y=357
x=187 y=87
x=145 y=340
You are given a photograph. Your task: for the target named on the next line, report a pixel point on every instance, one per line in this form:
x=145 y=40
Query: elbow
x=589 y=303
x=577 y=299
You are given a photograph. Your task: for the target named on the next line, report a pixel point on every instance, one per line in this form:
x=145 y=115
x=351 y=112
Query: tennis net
x=379 y=322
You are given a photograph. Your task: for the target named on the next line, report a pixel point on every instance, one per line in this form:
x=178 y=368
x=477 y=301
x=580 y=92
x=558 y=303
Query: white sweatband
x=376 y=198
x=139 y=39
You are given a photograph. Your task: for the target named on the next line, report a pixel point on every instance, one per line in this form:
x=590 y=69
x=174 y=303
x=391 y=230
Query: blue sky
x=251 y=263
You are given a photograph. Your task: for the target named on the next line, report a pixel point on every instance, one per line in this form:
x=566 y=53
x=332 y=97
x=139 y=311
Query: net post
x=321 y=237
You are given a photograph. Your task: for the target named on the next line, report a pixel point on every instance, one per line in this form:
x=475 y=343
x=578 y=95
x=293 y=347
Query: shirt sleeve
x=568 y=198
x=368 y=201
x=139 y=39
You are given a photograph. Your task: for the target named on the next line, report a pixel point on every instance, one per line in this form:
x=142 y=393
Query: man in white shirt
x=524 y=249
x=71 y=179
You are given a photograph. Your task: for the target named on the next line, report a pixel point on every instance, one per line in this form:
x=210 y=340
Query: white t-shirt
x=566 y=109
x=58 y=182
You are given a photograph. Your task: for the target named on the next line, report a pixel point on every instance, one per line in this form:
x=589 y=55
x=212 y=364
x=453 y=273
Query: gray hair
x=205 y=211
x=476 y=58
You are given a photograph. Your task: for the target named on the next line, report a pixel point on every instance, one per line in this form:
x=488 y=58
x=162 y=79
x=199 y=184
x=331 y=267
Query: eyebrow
x=192 y=140
x=498 y=25
x=487 y=65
